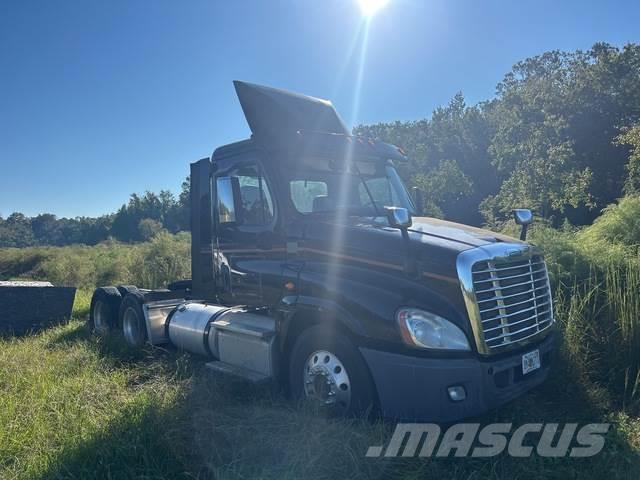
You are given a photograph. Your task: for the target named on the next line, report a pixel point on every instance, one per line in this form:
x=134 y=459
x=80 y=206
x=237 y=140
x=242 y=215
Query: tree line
x=561 y=136
x=140 y=219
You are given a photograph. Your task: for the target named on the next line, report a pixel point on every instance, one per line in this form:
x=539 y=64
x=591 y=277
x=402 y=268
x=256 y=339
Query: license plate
x=530 y=361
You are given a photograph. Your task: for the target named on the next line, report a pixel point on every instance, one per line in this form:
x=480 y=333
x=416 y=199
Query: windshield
x=364 y=190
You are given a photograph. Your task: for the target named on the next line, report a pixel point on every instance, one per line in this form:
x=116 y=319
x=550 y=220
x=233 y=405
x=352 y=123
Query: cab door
x=249 y=249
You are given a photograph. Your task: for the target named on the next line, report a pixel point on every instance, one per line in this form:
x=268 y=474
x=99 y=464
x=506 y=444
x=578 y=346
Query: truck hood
x=432 y=241
x=455 y=235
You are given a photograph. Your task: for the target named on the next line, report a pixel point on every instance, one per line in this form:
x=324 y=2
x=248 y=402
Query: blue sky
x=99 y=99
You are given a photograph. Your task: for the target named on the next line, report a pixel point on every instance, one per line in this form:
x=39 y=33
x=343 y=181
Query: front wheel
x=328 y=371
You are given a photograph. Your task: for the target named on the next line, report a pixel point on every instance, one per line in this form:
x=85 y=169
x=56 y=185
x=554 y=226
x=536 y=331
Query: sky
x=100 y=99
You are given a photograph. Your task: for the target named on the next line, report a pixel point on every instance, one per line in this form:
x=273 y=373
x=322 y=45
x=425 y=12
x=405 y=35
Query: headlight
x=426 y=330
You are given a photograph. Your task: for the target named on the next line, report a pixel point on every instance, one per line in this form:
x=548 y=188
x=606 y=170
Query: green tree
x=453 y=142
x=184 y=206
x=46 y=229
x=630 y=137
x=557 y=114
x=149 y=228
x=543 y=173
x=15 y=231
x=442 y=186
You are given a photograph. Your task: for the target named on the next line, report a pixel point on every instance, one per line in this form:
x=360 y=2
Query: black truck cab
x=358 y=301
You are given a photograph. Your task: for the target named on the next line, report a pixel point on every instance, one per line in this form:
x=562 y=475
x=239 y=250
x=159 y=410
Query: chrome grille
x=513 y=299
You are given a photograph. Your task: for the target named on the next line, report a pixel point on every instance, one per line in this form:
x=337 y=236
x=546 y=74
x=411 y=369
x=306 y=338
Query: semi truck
x=312 y=268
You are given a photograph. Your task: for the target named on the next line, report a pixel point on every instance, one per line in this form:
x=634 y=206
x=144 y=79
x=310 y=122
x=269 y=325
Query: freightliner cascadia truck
x=312 y=268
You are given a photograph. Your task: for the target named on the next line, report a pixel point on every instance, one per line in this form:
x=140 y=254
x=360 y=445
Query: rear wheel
x=103 y=315
x=328 y=371
x=134 y=327
x=126 y=289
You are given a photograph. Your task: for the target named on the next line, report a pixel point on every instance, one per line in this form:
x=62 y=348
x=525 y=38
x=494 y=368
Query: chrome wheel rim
x=100 y=317
x=132 y=327
x=326 y=381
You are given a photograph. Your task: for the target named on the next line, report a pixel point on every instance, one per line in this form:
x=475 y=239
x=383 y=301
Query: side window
x=304 y=192
x=253 y=197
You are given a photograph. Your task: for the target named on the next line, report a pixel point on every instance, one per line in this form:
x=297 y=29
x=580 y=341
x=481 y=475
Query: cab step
x=236 y=371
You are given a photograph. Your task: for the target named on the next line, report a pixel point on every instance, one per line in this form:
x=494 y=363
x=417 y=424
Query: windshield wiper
x=366 y=187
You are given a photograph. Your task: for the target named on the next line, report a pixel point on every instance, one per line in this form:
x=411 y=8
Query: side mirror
x=418 y=200
x=398 y=217
x=523 y=217
x=229 y=200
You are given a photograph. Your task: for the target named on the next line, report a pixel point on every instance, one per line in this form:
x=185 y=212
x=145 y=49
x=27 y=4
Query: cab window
x=255 y=201
x=304 y=192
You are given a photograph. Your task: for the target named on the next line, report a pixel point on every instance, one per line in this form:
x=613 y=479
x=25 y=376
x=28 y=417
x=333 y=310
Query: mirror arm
x=522 y=217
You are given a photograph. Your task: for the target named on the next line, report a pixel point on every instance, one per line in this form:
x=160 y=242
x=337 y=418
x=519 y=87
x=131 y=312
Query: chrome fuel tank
x=188 y=326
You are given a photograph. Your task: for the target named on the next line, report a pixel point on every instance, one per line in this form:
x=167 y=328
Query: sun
x=371 y=7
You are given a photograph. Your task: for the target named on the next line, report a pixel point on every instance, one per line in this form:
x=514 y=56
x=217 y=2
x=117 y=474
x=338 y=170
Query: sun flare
x=371 y=7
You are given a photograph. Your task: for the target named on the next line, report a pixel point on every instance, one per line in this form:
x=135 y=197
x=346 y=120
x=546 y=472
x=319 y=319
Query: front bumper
x=415 y=388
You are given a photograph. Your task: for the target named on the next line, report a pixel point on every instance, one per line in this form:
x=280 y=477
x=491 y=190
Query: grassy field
x=76 y=406
x=152 y=264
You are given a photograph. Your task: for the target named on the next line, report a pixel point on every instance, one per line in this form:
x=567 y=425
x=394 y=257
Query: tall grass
x=596 y=275
x=74 y=407
x=151 y=265
x=165 y=259
x=601 y=333
x=622 y=289
x=77 y=406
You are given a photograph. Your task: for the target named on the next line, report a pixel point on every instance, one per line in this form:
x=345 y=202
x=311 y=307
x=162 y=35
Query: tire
x=340 y=382
x=103 y=315
x=134 y=326
x=126 y=289
x=180 y=285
